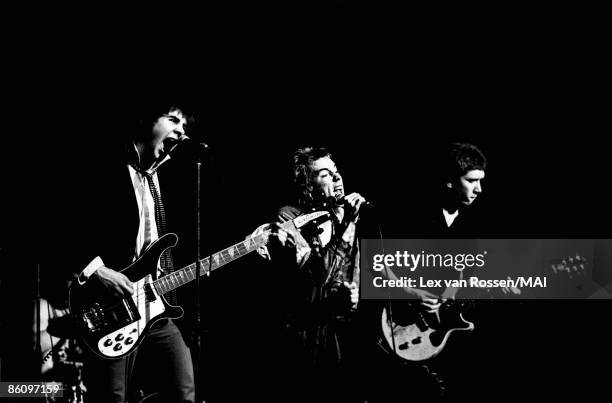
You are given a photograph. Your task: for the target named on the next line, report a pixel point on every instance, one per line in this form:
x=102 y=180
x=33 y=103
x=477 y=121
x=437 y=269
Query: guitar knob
x=117 y=347
x=108 y=343
x=119 y=337
x=129 y=341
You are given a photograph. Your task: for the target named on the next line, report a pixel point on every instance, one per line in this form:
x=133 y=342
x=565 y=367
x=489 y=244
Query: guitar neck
x=187 y=274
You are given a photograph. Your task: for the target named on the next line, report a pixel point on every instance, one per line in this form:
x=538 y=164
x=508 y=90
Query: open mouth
x=170 y=142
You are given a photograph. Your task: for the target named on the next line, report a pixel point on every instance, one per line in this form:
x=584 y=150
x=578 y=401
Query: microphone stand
x=199 y=150
x=198 y=338
x=200 y=153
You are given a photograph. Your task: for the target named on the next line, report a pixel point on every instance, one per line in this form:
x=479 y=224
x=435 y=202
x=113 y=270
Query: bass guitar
x=112 y=327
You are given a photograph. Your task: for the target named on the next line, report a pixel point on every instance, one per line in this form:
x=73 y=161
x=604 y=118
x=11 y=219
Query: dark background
x=384 y=101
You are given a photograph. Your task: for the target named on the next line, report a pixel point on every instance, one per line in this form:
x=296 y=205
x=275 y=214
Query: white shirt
x=146 y=210
x=146 y=218
x=450 y=218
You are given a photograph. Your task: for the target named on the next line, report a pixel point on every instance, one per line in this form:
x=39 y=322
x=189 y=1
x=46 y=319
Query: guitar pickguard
x=117 y=328
x=415 y=343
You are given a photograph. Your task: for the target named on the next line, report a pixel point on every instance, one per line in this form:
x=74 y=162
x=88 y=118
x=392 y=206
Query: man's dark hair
x=301 y=161
x=145 y=111
x=152 y=109
x=462 y=158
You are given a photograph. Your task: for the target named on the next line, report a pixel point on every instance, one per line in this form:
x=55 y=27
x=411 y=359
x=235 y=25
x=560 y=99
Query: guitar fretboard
x=227 y=255
x=219 y=259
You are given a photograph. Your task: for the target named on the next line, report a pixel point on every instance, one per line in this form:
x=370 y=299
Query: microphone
x=341 y=201
x=186 y=145
x=200 y=146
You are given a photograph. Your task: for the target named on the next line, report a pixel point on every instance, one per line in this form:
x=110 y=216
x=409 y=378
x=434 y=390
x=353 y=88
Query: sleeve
x=302 y=247
x=327 y=263
x=327 y=267
x=90 y=269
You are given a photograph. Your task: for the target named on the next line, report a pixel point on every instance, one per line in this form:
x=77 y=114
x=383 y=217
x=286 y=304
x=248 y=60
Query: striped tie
x=165 y=259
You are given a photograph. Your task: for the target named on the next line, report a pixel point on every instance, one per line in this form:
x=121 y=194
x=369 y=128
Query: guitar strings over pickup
x=92 y=317
x=149 y=293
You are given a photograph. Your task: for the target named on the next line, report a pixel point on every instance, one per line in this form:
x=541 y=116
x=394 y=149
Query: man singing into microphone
x=323 y=286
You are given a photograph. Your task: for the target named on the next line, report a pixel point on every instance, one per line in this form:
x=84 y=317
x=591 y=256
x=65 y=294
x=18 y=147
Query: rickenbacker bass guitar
x=112 y=327
x=414 y=334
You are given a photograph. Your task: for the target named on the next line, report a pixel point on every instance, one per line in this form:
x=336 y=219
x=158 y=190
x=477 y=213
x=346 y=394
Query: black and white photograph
x=334 y=208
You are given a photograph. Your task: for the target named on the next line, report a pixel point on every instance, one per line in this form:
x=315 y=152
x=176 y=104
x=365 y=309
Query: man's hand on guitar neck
x=115 y=282
x=281 y=240
x=511 y=290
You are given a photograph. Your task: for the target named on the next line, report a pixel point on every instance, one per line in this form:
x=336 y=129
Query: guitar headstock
x=569 y=275
x=571 y=266
x=315 y=218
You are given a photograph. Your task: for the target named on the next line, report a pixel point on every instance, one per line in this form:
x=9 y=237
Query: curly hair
x=302 y=159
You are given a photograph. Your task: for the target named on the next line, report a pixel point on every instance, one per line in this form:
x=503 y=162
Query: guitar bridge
x=108 y=318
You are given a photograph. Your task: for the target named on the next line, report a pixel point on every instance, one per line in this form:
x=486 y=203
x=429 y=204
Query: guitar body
x=421 y=335
x=416 y=335
x=112 y=327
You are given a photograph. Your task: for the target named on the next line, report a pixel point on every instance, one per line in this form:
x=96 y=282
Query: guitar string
x=140 y=291
x=255 y=238
x=142 y=295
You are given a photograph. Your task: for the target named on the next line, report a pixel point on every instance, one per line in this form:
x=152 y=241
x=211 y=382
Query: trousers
x=162 y=363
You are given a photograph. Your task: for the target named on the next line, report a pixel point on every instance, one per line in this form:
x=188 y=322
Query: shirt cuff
x=90 y=269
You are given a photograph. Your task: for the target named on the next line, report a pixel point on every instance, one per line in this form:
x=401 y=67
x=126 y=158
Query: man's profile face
x=171 y=126
x=469 y=186
x=325 y=179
